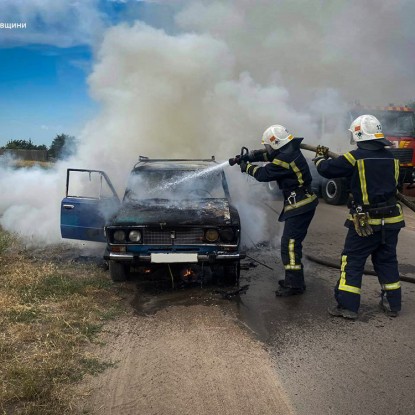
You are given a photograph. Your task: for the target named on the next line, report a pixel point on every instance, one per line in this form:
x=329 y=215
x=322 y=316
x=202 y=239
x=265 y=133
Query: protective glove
x=317 y=160
x=322 y=151
x=243 y=165
x=254 y=155
x=361 y=224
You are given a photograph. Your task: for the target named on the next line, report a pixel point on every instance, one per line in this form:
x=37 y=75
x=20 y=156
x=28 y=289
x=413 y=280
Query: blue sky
x=44 y=67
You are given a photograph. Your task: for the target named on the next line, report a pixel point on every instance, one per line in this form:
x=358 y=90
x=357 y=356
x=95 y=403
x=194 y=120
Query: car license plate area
x=173 y=257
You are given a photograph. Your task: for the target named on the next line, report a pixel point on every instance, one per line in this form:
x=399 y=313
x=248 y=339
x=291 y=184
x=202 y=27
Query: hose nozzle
x=233 y=161
x=237 y=159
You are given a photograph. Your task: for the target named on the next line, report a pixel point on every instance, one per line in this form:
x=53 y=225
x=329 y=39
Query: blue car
x=174 y=213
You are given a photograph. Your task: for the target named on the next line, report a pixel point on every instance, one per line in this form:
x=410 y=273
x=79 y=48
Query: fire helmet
x=276 y=136
x=366 y=128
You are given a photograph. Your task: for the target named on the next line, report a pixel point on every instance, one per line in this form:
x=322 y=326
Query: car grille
x=404 y=155
x=193 y=236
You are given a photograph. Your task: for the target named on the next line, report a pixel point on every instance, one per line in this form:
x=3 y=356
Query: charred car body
x=174 y=212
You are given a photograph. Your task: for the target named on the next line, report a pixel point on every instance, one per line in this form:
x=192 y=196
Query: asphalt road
x=329 y=365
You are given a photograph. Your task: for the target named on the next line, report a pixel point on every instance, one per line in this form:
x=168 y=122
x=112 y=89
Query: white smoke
x=30 y=203
x=231 y=69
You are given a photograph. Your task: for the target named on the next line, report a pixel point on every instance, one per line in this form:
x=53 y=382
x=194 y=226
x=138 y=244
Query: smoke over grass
x=229 y=70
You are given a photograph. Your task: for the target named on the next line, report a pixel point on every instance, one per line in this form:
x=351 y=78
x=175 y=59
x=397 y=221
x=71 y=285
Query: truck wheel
x=118 y=271
x=231 y=273
x=334 y=191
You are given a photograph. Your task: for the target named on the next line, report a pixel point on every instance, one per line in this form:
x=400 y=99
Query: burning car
x=173 y=212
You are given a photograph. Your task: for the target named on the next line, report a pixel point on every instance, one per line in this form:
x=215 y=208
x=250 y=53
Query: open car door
x=90 y=201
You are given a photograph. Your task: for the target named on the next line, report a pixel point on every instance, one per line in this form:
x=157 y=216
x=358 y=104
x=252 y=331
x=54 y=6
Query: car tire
x=231 y=273
x=334 y=191
x=118 y=271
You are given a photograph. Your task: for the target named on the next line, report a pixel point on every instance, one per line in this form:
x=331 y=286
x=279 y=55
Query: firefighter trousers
x=295 y=230
x=356 y=250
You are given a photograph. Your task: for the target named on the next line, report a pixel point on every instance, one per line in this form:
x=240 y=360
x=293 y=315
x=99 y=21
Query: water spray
x=190 y=176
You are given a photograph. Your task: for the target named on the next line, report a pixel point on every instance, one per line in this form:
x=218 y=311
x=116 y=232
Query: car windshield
x=174 y=184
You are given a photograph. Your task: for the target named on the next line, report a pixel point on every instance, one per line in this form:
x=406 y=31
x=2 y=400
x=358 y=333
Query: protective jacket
x=289 y=168
x=373 y=178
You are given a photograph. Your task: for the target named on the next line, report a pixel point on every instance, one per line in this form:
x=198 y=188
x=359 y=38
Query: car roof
x=145 y=163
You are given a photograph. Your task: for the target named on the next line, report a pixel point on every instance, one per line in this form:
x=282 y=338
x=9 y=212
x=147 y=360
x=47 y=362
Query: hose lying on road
x=332 y=264
x=399 y=195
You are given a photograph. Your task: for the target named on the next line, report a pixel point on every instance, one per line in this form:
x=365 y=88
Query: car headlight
x=227 y=234
x=211 y=235
x=134 y=236
x=119 y=236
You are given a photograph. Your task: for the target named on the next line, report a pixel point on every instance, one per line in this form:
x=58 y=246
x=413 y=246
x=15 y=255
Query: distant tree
x=63 y=146
x=23 y=145
x=411 y=104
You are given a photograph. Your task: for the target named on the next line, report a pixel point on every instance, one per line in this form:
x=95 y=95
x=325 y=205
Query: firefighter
x=374 y=220
x=289 y=168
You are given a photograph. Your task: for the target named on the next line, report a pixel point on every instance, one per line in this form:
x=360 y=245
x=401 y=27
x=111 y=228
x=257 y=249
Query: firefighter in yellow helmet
x=288 y=167
x=374 y=220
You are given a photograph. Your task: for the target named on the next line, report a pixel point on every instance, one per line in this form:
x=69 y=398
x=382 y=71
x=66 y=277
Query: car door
x=90 y=201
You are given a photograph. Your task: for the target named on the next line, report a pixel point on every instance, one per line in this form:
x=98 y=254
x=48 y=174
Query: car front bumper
x=217 y=256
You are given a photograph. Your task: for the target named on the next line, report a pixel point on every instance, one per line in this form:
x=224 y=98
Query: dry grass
x=49 y=315
x=31 y=163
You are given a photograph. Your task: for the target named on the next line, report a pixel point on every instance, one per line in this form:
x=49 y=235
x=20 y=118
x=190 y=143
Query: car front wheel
x=231 y=273
x=118 y=271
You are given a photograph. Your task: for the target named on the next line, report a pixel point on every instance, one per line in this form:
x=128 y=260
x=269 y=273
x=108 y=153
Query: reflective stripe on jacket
x=373 y=176
x=292 y=173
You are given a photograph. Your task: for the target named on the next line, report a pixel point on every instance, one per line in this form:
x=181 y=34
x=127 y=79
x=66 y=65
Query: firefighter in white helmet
x=374 y=220
x=288 y=167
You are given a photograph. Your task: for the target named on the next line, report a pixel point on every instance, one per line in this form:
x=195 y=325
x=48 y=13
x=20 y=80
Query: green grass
x=5 y=241
x=50 y=314
x=56 y=287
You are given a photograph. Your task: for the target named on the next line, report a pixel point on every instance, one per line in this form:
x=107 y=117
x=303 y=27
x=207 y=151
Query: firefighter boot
x=338 y=311
x=385 y=307
x=284 y=291
x=281 y=283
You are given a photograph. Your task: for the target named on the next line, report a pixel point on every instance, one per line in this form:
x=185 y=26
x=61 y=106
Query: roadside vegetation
x=31 y=163
x=50 y=313
x=62 y=146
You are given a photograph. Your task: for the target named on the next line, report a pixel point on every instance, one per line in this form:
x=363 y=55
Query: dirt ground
x=183 y=360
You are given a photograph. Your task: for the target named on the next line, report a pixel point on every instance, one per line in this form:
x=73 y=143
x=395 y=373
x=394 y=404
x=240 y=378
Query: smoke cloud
x=229 y=70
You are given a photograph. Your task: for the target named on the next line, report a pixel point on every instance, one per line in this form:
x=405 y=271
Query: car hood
x=174 y=212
